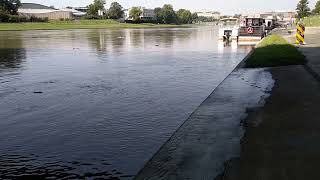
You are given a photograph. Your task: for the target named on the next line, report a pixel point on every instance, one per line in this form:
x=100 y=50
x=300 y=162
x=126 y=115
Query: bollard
x=300 y=34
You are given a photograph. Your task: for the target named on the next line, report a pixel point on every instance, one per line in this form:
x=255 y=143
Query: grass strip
x=312 y=21
x=82 y=24
x=273 y=51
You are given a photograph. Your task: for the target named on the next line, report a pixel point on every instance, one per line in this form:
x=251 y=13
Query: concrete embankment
x=212 y=134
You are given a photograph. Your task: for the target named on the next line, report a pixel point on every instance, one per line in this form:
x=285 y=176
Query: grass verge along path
x=273 y=51
x=82 y=24
x=312 y=21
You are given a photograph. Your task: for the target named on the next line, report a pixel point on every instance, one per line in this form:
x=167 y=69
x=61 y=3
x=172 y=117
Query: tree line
x=164 y=15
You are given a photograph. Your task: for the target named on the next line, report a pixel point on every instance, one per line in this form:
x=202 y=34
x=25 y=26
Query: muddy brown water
x=99 y=103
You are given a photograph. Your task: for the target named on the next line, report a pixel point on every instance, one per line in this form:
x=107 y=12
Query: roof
x=74 y=12
x=34 y=6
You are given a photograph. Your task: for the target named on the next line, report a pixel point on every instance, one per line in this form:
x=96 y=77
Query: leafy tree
x=184 y=16
x=9 y=6
x=135 y=13
x=115 y=11
x=168 y=14
x=93 y=9
x=317 y=8
x=303 y=9
x=158 y=15
x=206 y=19
x=195 y=17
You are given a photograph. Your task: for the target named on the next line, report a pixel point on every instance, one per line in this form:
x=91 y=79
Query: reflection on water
x=11 y=58
x=13 y=166
x=100 y=103
x=11 y=52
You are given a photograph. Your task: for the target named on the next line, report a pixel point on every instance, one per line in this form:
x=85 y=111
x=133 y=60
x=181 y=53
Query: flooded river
x=99 y=103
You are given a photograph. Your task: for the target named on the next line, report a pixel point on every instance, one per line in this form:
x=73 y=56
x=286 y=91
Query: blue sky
x=224 y=6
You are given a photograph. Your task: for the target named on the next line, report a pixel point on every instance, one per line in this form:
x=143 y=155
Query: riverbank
x=211 y=135
x=276 y=106
x=82 y=24
x=274 y=50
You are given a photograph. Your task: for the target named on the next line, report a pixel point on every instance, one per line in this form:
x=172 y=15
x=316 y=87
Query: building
x=210 y=14
x=146 y=15
x=287 y=16
x=41 y=11
x=75 y=12
x=81 y=9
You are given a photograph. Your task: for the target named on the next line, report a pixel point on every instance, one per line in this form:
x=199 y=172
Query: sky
x=224 y=6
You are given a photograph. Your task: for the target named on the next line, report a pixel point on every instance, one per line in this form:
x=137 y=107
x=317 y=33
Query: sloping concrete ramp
x=211 y=135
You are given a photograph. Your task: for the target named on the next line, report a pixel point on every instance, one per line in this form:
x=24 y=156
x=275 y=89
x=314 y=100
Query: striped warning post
x=300 y=34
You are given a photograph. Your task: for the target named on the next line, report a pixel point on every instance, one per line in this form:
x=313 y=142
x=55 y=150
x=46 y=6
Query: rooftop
x=34 y=6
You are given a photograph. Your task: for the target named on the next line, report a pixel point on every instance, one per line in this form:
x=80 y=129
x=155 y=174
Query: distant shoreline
x=83 y=24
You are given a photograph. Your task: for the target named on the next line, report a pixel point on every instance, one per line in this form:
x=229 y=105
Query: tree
x=303 y=9
x=195 y=17
x=9 y=6
x=168 y=14
x=317 y=8
x=184 y=16
x=135 y=13
x=95 y=7
x=115 y=11
x=158 y=15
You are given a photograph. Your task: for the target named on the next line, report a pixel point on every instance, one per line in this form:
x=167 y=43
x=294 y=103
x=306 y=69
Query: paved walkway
x=312 y=50
x=285 y=144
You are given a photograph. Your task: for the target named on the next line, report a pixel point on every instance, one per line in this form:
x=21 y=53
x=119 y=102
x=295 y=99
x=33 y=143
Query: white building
x=41 y=11
x=210 y=14
x=147 y=14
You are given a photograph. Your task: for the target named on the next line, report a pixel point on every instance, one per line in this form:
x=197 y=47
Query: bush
x=17 y=19
x=36 y=19
x=4 y=17
x=90 y=17
x=312 y=21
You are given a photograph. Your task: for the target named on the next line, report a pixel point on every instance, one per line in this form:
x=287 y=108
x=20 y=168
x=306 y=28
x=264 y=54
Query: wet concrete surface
x=285 y=145
x=311 y=49
x=211 y=135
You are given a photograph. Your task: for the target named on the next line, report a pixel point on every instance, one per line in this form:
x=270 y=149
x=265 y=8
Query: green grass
x=312 y=21
x=82 y=24
x=273 y=51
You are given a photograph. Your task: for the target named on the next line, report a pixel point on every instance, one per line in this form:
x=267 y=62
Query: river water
x=99 y=103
